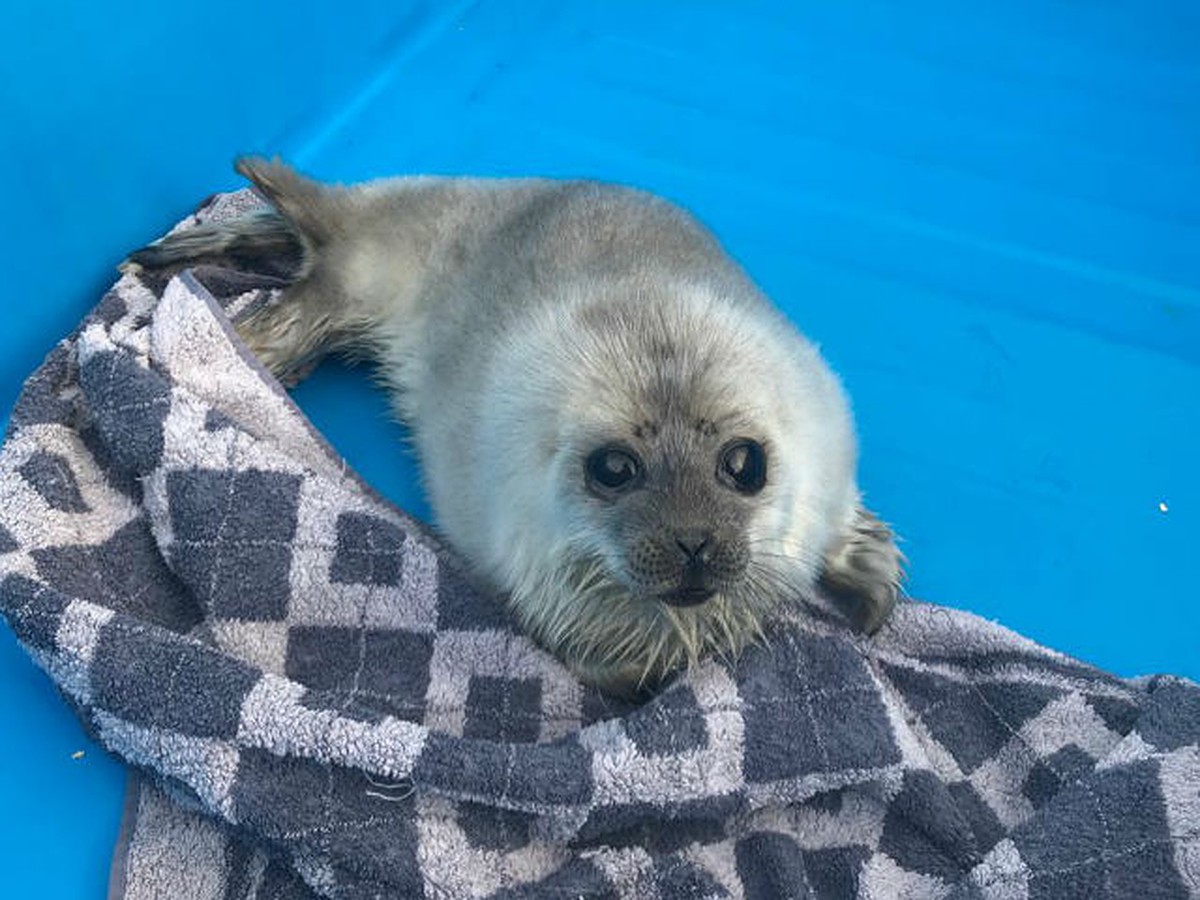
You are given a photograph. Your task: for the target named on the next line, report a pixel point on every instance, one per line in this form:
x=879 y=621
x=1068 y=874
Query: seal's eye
x=743 y=466
x=611 y=470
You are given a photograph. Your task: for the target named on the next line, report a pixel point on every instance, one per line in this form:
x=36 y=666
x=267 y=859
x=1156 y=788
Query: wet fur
x=520 y=323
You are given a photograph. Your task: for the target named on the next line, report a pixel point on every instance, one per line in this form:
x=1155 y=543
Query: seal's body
x=617 y=429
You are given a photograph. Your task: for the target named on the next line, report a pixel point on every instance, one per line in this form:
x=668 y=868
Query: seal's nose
x=695 y=580
x=695 y=545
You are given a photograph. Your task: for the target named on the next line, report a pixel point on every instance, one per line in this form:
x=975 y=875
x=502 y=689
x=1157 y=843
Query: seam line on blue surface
x=313 y=139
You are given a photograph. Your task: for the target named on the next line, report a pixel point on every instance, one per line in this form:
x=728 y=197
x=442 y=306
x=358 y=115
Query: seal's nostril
x=693 y=545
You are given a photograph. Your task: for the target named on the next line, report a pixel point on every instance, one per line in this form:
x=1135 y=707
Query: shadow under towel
x=318 y=703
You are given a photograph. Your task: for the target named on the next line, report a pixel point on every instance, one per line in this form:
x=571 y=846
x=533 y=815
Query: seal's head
x=683 y=467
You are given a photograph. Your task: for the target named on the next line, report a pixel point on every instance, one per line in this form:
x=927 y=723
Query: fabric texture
x=317 y=702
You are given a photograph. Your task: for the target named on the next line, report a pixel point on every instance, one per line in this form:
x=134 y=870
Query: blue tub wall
x=987 y=214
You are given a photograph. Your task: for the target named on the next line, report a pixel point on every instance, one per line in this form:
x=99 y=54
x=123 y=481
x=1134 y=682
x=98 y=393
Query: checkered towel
x=317 y=702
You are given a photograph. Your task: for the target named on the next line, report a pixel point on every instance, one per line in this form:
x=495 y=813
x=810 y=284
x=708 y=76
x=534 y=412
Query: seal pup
x=616 y=428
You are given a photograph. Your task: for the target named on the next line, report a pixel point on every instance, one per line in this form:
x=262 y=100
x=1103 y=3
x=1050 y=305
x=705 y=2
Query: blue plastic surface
x=987 y=213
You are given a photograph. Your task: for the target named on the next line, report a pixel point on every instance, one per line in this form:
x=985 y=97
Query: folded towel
x=319 y=703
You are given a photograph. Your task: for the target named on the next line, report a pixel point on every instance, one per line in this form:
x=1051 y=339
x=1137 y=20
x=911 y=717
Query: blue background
x=987 y=213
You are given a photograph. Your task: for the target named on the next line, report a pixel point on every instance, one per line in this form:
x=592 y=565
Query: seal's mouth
x=686 y=596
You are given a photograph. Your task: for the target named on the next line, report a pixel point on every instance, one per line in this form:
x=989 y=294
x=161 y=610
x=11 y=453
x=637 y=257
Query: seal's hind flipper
x=307 y=205
x=279 y=241
x=262 y=242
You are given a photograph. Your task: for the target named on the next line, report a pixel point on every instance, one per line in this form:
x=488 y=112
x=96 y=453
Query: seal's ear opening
x=863 y=571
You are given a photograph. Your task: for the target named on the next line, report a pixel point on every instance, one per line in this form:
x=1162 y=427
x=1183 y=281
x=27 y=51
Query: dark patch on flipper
x=263 y=243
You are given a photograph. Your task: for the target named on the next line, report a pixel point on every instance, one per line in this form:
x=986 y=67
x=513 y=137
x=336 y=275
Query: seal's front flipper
x=863 y=571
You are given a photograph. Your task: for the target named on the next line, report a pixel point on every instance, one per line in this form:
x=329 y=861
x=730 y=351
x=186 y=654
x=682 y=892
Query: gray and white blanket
x=317 y=702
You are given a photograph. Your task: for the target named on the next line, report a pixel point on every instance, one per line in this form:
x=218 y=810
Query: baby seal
x=616 y=428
